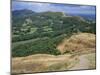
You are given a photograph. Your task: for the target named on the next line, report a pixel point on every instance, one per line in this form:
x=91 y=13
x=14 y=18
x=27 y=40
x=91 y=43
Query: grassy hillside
x=51 y=41
x=49 y=24
x=42 y=63
x=46 y=62
x=78 y=43
x=35 y=33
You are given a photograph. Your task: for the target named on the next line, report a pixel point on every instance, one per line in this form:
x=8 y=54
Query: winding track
x=82 y=64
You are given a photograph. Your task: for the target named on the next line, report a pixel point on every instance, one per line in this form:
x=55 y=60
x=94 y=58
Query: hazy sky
x=42 y=7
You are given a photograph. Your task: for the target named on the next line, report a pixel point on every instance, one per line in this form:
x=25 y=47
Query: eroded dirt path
x=82 y=64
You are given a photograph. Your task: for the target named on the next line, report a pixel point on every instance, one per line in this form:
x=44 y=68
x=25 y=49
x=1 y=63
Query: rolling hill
x=49 y=27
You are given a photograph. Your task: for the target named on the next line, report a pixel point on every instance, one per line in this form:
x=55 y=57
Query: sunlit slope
x=81 y=42
x=43 y=63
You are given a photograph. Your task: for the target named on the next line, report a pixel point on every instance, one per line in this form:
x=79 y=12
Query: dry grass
x=78 y=43
x=42 y=63
x=75 y=45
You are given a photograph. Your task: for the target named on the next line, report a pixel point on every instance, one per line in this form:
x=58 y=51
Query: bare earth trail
x=82 y=64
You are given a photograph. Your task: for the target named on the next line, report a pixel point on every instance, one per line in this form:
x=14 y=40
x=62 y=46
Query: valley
x=52 y=41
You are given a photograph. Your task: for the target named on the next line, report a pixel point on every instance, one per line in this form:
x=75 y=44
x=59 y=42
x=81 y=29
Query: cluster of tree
x=44 y=46
x=56 y=21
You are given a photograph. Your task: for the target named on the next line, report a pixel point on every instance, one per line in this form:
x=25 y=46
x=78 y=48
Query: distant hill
x=23 y=12
x=86 y=16
x=27 y=22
